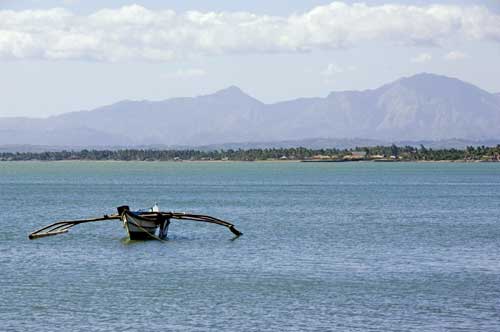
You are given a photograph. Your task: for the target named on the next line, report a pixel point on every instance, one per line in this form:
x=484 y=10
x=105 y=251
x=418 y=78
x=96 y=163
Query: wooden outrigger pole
x=61 y=227
x=144 y=223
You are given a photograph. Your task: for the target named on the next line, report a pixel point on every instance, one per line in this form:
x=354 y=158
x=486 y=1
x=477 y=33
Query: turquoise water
x=326 y=246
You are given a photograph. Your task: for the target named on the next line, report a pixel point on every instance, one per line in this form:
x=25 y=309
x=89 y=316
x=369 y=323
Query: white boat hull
x=139 y=228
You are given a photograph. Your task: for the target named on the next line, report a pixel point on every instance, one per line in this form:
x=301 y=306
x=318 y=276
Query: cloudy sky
x=61 y=56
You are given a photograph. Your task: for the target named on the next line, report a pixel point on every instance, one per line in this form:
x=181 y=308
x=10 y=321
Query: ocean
x=326 y=247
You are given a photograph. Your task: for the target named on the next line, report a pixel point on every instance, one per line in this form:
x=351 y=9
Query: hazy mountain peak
x=233 y=94
x=440 y=87
x=232 y=90
x=425 y=75
x=428 y=80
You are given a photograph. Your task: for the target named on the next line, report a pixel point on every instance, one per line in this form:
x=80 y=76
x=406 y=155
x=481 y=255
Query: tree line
x=393 y=152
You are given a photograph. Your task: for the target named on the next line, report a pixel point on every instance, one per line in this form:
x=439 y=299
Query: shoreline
x=272 y=155
x=259 y=161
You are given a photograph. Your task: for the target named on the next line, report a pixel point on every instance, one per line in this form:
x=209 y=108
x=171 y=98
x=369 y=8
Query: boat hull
x=139 y=228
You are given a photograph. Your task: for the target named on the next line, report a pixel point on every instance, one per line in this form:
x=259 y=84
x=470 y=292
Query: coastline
x=255 y=161
x=377 y=154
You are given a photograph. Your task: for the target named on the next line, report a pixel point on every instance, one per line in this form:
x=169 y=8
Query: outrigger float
x=140 y=225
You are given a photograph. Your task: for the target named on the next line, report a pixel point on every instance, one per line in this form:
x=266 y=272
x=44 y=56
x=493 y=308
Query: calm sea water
x=326 y=246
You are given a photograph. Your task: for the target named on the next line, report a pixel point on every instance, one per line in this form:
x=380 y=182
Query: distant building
x=378 y=156
x=358 y=154
x=321 y=157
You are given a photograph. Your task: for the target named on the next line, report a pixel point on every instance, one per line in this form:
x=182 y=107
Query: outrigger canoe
x=140 y=225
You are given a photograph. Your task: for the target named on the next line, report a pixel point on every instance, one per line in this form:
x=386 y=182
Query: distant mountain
x=422 y=107
x=320 y=143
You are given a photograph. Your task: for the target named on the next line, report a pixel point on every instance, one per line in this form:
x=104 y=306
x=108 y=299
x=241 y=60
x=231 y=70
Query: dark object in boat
x=140 y=225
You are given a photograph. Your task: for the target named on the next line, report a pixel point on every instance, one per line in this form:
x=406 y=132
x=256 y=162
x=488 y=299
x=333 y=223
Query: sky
x=70 y=55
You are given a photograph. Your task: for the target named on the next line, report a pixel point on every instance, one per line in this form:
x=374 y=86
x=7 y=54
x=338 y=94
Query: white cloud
x=422 y=58
x=134 y=32
x=455 y=55
x=332 y=69
x=189 y=73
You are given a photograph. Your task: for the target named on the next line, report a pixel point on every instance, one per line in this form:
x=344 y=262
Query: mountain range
x=421 y=107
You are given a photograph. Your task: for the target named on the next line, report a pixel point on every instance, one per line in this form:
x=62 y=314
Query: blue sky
x=62 y=56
